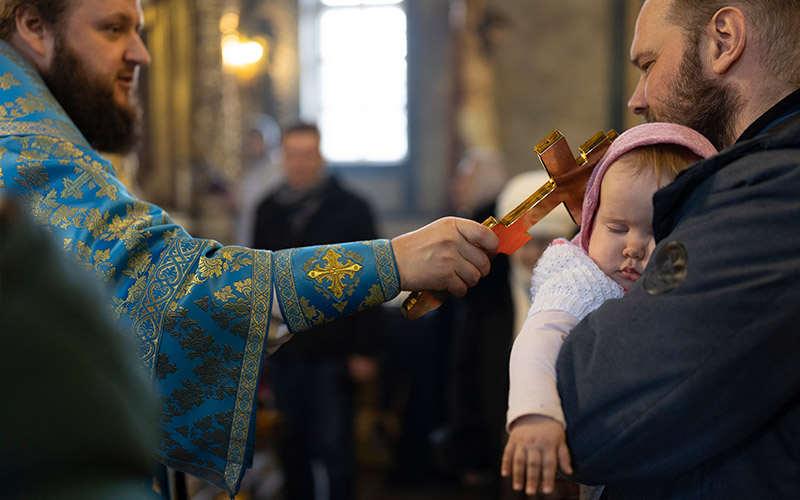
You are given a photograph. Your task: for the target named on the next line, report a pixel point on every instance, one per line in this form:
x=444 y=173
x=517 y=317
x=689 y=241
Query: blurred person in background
x=315 y=376
x=260 y=173
x=556 y=224
x=469 y=443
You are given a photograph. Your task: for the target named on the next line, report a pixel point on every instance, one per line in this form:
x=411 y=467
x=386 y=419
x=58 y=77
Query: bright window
x=354 y=78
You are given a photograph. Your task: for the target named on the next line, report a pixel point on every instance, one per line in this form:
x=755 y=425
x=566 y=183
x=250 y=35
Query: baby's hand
x=536 y=446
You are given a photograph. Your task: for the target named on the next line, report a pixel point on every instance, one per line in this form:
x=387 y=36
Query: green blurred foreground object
x=78 y=419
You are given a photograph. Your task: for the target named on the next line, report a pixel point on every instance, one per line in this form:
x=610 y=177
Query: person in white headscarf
x=556 y=224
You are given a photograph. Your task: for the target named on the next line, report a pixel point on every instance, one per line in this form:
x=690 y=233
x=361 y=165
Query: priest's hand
x=448 y=254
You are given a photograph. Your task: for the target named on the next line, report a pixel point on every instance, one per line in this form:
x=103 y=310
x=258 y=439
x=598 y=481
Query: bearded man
x=199 y=311
x=685 y=388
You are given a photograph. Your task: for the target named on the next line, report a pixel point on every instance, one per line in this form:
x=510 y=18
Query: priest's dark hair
x=52 y=11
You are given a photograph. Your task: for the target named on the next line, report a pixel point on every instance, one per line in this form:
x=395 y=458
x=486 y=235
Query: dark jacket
x=688 y=387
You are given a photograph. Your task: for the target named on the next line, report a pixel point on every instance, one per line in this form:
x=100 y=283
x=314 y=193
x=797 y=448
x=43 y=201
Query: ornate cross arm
x=567 y=184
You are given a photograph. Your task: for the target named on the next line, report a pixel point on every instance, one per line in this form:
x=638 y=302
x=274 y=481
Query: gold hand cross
x=567 y=183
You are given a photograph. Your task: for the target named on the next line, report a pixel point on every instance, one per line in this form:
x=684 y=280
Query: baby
x=604 y=260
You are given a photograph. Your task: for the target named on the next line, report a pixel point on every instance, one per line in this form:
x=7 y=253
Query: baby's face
x=622 y=235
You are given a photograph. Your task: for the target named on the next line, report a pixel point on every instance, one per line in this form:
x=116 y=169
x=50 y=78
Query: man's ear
x=35 y=38
x=728 y=37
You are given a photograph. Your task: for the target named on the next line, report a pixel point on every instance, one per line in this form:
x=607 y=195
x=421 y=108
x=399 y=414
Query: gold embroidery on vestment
x=7 y=80
x=28 y=104
x=224 y=294
x=314 y=316
x=334 y=272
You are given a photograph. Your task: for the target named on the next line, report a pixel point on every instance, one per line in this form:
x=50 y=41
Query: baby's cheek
x=650 y=247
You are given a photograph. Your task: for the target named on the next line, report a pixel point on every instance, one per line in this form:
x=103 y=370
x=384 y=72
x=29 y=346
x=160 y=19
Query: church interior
x=494 y=74
x=402 y=91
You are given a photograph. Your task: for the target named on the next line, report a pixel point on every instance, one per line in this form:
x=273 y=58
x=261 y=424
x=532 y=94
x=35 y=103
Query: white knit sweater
x=566 y=286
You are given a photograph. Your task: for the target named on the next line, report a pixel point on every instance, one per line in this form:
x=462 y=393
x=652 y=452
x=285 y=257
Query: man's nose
x=137 y=51
x=637 y=104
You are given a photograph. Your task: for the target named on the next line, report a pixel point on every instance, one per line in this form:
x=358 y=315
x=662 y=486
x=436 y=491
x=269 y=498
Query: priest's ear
x=34 y=37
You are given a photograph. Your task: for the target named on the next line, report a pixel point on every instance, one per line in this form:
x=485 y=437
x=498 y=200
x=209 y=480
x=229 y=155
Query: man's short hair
x=777 y=23
x=52 y=11
x=300 y=127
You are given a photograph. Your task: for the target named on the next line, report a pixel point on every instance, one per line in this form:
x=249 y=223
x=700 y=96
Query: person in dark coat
x=685 y=388
x=314 y=376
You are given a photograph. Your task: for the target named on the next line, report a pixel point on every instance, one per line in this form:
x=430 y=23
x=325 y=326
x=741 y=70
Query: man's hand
x=448 y=254
x=536 y=447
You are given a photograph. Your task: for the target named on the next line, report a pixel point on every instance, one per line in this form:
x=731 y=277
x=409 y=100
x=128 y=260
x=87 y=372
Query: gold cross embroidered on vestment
x=335 y=272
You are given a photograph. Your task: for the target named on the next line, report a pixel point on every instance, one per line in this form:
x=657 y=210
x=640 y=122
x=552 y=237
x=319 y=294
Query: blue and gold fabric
x=199 y=311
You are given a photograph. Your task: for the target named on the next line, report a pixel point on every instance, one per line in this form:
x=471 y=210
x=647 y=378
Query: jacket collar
x=778 y=131
x=778 y=114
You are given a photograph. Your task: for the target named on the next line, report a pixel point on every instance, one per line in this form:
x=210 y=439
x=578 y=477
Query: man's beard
x=89 y=102
x=701 y=104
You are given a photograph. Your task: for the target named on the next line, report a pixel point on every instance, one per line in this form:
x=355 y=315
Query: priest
x=198 y=311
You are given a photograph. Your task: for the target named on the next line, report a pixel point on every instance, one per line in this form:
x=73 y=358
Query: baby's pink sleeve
x=532 y=374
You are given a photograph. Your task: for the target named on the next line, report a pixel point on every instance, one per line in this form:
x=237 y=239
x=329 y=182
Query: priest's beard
x=89 y=102
x=701 y=104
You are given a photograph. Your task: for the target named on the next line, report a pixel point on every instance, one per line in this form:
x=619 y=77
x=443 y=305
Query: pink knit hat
x=635 y=137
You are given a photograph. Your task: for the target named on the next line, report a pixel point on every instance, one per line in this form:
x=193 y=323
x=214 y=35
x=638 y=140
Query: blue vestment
x=199 y=311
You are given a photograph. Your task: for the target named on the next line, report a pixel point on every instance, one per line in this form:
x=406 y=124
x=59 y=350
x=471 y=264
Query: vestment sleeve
x=316 y=285
x=688 y=368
